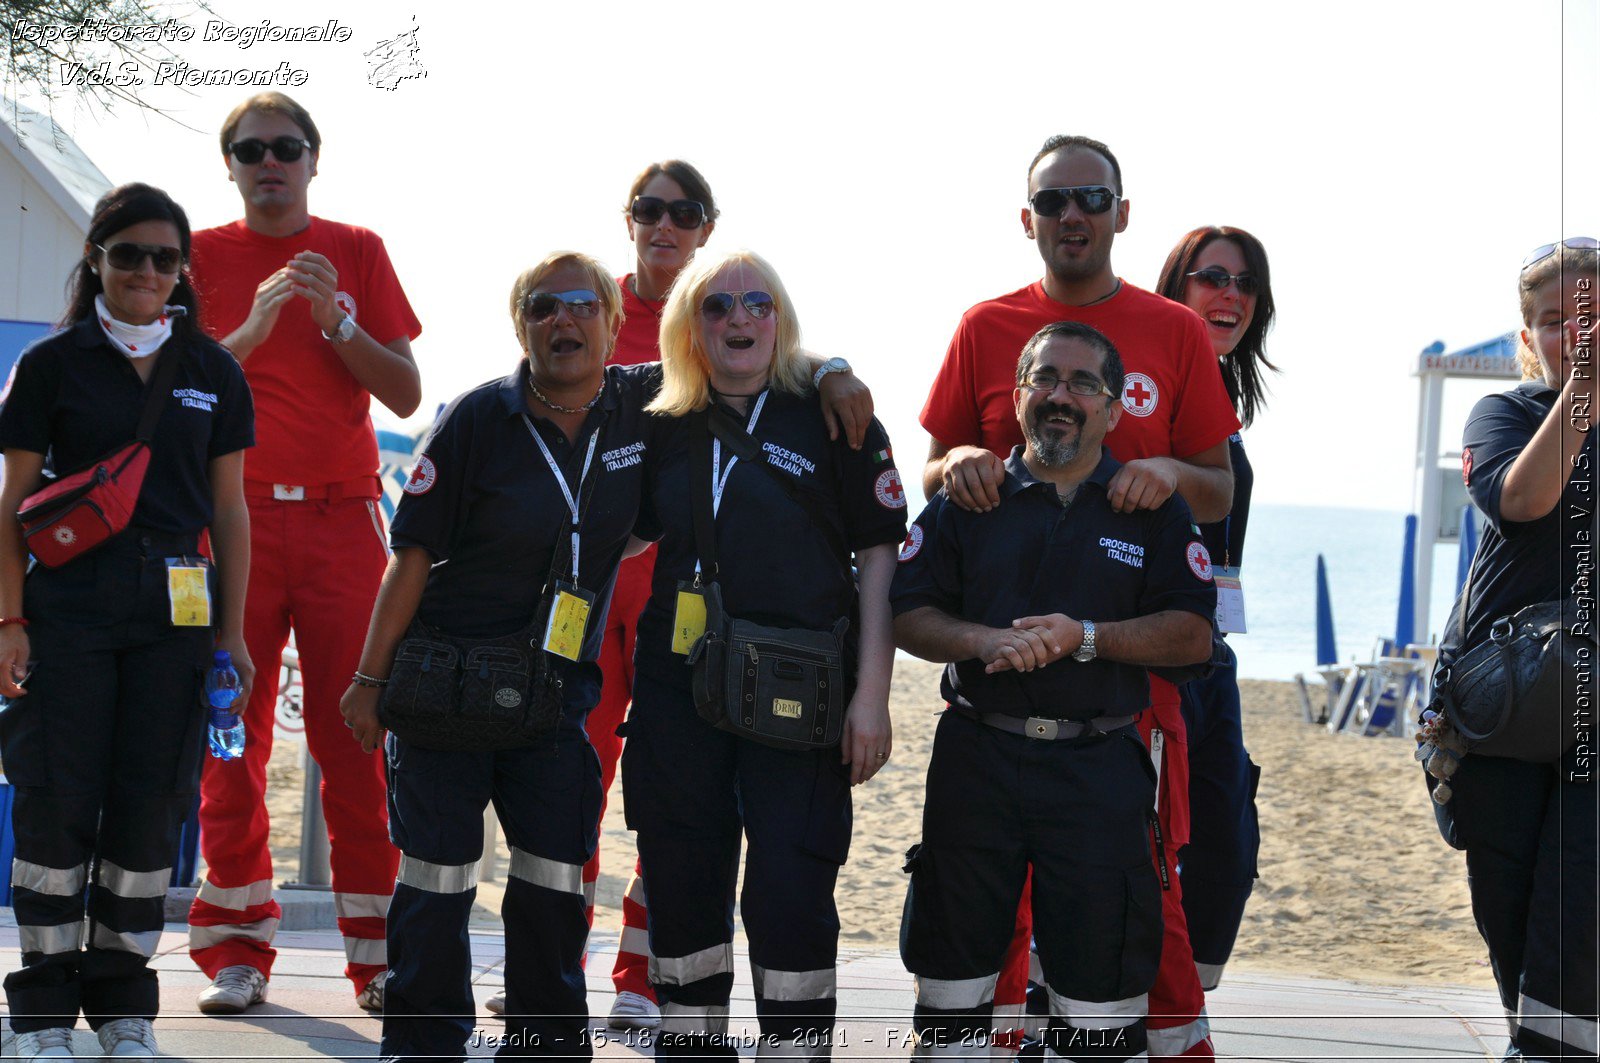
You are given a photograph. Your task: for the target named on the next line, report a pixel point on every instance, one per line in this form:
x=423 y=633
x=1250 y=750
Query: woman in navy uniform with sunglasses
x=104 y=735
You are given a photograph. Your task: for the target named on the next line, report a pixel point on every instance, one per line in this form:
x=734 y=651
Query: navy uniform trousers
x=1219 y=863
x=691 y=791
x=104 y=754
x=548 y=799
x=1079 y=811
x=1529 y=833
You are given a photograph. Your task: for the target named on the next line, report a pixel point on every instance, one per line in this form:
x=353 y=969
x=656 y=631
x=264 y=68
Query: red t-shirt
x=641 y=326
x=312 y=425
x=1174 y=402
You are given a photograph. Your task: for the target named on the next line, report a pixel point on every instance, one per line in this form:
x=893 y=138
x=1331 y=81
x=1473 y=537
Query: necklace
x=1115 y=288
x=556 y=406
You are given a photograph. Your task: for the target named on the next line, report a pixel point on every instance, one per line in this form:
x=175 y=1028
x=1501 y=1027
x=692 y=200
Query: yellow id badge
x=188 y=591
x=689 y=620
x=569 y=619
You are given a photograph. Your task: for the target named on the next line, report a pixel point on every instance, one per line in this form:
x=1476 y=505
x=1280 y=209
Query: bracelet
x=21 y=622
x=361 y=679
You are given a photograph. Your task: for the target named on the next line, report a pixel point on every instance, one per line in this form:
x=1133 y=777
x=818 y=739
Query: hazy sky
x=1398 y=159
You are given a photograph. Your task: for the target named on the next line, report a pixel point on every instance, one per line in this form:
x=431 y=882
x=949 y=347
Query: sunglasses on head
x=1091 y=199
x=252 y=150
x=128 y=256
x=1571 y=243
x=685 y=213
x=1212 y=277
x=1047 y=380
x=719 y=305
x=540 y=307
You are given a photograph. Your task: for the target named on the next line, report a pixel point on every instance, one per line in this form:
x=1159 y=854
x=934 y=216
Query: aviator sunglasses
x=685 y=213
x=1219 y=279
x=251 y=150
x=719 y=305
x=127 y=257
x=1091 y=199
x=540 y=307
x=1571 y=243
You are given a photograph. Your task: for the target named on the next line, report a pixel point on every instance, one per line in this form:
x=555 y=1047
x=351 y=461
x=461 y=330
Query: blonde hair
x=599 y=278
x=685 y=369
x=1528 y=362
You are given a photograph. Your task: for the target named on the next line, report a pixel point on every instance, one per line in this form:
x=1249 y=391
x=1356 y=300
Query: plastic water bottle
x=222 y=690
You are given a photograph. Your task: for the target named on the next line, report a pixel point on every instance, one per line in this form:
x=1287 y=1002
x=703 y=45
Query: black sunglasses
x=1047 y=380
x=1212 y=277
x=285 y=149
x=540 y=307
x=127 y=257
x=685 y=213
x=719 y=305
x=1572 y=243
x=1091 y=199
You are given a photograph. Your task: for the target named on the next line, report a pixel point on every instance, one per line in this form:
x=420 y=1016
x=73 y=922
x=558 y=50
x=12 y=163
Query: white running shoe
x=234 y=989
x=496 y=1005
x=631 y=1011
x=54 y=1043
x=371 y=998
x=128 y=1039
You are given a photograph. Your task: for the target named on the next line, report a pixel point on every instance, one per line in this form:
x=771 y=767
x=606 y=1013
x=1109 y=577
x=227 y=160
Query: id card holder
x=1230 y=601
x=569 y=619
x=689 y=618
x=189 y=591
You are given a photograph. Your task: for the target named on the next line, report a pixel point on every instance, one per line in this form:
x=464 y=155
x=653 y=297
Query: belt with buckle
x=1045 y=729
x=362 y=487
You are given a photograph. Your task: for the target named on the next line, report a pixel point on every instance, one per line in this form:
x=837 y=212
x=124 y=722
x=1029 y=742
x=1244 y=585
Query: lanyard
x=720 y=481
x=561 y=481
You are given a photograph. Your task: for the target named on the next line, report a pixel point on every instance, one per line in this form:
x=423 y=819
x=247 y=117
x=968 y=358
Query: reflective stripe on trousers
x=551 y=874
x=1573 y=1031
x=436 y=878
x=794 y=985
x=962 y=994
x=202 y=937
x=1176 y=1040
x=54 y=881
x=691 y=1019
x=683 y=970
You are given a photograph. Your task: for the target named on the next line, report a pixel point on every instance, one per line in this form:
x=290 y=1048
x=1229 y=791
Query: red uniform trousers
x=631 y=972
x=315 y=566
x=1177 y=1025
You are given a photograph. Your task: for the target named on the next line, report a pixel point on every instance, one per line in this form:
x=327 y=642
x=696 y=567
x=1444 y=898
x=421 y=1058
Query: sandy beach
x=1355 y=881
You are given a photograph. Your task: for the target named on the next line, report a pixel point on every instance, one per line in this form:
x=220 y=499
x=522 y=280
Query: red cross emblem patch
x=1140 y=395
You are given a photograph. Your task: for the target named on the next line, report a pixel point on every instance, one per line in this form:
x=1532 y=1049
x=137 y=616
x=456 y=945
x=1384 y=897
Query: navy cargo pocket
x=828 y=819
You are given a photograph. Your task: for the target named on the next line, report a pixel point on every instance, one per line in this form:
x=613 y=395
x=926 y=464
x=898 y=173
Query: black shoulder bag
x=782 y=687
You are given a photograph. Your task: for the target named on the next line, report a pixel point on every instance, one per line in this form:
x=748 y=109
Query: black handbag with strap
x=782 y=687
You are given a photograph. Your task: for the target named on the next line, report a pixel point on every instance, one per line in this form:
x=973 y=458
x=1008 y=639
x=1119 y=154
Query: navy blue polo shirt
x=1520 y=563
x=75 y=398
x=485 y=505
x=776 y=567
x=1033 y=556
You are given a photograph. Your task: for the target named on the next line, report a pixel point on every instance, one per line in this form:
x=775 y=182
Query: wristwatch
x=1085 y=653
x=342 y=331
x=832 y=365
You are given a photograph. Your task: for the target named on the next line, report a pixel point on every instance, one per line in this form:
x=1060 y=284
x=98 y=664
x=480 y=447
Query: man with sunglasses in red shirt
x=1173 y=437
x=314 y=312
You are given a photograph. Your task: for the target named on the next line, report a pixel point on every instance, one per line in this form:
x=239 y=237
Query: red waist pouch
x=79 y=512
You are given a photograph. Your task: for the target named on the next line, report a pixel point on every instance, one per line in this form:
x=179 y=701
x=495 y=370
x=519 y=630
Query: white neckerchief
x=135 y=341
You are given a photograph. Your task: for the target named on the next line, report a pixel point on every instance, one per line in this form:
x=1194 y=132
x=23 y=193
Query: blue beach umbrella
x=1405 y=621
x=1327 y=651
x=1469 y=546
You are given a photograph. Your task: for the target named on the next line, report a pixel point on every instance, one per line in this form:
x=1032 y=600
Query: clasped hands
x=1031 y=642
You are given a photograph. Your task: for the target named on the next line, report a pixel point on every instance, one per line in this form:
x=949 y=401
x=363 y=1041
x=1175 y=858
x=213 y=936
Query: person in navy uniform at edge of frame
x=729 y=337
x=1529 y=830
x=105 y=733
x=1038 y=761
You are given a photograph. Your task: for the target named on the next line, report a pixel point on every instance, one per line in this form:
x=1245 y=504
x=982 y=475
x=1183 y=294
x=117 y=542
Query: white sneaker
x=128 y=1038
x=54 y=1043
x=631 y=1011
x=234 y=989
x=371 y=998
x=496 y=1005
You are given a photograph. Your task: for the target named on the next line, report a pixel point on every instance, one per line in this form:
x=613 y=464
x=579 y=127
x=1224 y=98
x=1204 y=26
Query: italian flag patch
x=886 y=454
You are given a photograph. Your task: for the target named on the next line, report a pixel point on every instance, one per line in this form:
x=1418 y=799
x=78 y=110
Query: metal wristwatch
x=1085 y=652
x=832 y=365
x=342 y=331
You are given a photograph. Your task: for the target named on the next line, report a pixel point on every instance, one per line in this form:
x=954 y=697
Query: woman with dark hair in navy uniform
x=104 y=656
x=730 y=345
x=1529 y=830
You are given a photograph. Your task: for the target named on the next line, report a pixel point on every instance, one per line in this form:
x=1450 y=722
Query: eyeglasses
x=540 y=307
x=685 y=213
x=1091 y=199
x=1047 y=380
x=1212 y=277
x=285 y=149
x=128 y=256
x=1572 y=243
x=719 y=305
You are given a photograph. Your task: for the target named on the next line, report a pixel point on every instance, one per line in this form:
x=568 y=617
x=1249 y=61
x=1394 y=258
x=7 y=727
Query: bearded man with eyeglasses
x=314 y=312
